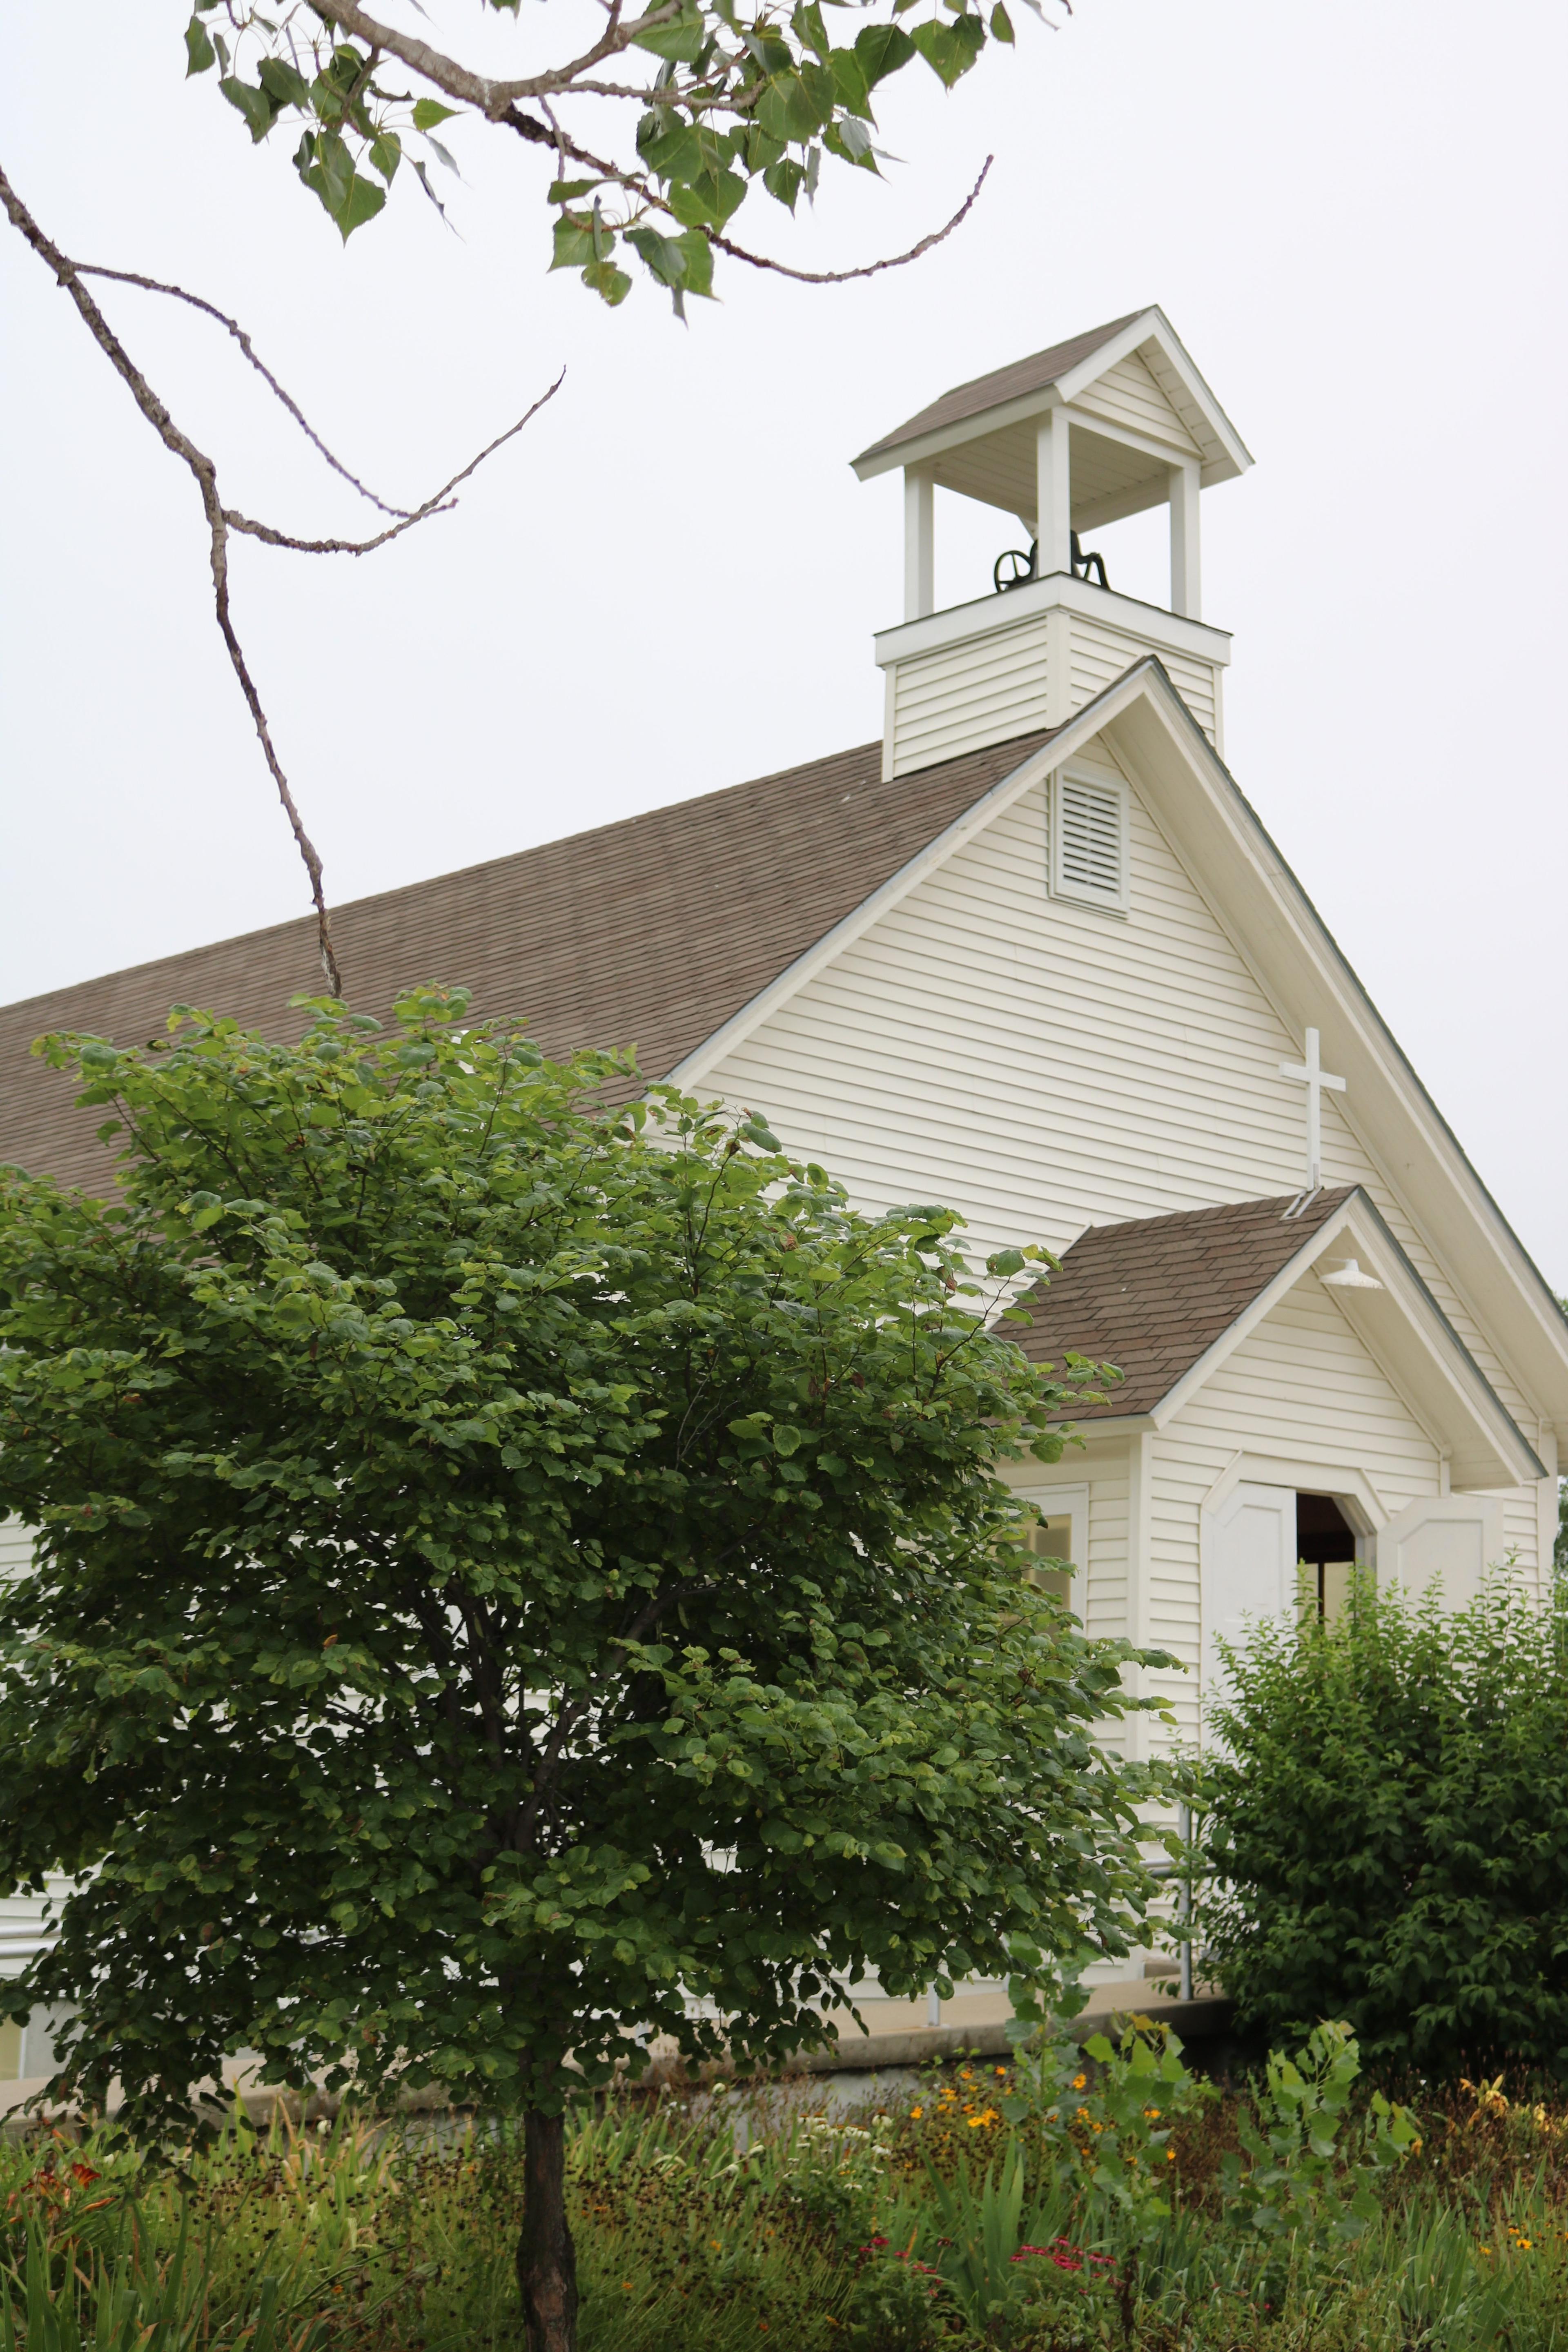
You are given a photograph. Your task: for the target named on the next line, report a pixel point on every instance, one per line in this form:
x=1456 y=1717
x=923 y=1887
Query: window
x=1088 y=839
x=1050 y=1546
x=1059 y=1547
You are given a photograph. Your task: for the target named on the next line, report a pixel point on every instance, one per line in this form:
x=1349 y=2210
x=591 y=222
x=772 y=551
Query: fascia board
x=1152 y=326
x=1198 y=1374
x=1174 y=631
x=1423 y=1356
x=943 y=437
x=1064 y=744
x=1420 y=1353
x=1259 y=900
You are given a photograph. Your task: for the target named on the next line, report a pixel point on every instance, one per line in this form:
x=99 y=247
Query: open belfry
x=1033 y=955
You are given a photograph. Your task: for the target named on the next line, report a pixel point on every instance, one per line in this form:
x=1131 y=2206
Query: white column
x=1053 y=495
x=919 y=544
x=1186 y=585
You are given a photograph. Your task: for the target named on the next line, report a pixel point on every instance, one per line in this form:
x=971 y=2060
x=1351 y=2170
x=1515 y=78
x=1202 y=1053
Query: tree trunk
x=546 y=2257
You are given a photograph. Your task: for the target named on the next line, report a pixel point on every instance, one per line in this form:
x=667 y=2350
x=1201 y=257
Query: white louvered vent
x=1089 y=841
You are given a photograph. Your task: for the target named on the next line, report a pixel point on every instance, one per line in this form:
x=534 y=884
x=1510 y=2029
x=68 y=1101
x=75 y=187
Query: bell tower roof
x=1131 y=376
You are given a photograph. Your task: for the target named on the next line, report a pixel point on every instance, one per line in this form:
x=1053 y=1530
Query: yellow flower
x=1170 y=2156
x=1079 y=2081
x=917 y=2113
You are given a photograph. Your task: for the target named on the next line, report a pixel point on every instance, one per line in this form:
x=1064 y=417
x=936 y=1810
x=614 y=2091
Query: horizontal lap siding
x=16 y=1546
x=985 y=691
x=1099 y=655
x=1043 y=1066
x=1127 y=394
x=969 y=695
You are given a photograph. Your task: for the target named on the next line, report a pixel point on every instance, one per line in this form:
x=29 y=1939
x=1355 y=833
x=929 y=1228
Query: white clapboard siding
x=989 y=688
x=969 y=694
x=1044 y=1065
x=1100 y=654
x=16 y=1546
x=21 y=1916
x=1301 y=1388
x=1127 y=394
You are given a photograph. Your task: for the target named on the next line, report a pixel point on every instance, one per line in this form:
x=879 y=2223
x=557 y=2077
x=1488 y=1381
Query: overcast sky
x=1353 y=215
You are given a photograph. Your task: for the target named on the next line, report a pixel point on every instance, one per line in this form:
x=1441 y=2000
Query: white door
x=1248 y=1571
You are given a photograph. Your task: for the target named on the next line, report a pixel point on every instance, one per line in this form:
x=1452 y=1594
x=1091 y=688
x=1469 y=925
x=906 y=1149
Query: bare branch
x=222 y=520
x=205 y=475
x=441 y=503
x=156 y=286
x=867 y=269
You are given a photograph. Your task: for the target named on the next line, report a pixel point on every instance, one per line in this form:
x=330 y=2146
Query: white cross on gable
x=1315 y=1078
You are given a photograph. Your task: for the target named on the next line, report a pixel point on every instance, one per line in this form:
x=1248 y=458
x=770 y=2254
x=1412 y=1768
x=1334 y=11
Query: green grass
x=884 y=2233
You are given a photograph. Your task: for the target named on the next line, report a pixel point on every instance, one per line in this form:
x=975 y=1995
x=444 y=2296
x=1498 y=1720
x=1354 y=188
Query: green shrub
x=1391 y=1825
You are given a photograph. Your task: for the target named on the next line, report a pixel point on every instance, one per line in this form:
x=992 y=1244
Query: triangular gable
x=1257 y=901
x=1134 y=375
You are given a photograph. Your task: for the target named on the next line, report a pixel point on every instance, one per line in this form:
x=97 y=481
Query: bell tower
x=1105 y=426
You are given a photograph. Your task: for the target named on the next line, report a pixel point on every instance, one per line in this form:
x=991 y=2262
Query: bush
x=1391 y=1825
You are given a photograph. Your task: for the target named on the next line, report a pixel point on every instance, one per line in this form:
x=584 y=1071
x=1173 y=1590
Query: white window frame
x=1068 y=1502
x=1075 y=893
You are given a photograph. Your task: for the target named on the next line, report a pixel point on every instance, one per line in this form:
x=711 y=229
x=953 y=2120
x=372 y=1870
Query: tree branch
x=156 y=286
x=440 y=503
x=205 y=473
x=491 y=97
x=867 y=269
x=221 y=519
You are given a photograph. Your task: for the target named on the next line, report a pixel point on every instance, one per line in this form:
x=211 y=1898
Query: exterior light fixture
x=1350 y=1276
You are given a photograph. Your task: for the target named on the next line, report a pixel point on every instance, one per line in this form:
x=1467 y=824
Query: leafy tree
x=706 y=103
x=1392 y=1823
x=516 y=1571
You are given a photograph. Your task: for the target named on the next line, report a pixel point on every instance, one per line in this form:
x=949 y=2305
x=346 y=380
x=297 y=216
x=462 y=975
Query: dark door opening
x=1325 y=1541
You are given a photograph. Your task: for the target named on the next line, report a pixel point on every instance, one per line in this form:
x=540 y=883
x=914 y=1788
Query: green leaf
x=610 y=283
x=783 y=181
x=809 y=30
x=950 y=50
x=574 y=242
x=386 y=154
x=347 y=195
x=282 y=84
x=430 y=111
x=850 y=86
x=709 y=201
x=882 y=49
x=682 y=41
x=564 y=192
x=199 y=52
x=1001 y=23
x=792 y=107
x=255 y=105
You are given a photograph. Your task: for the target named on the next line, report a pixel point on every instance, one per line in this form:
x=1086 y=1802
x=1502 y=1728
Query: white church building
x=1034 y=955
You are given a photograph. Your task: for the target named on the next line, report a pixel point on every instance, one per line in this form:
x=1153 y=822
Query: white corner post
x=1053 y=495
x=1186 y=592
x=919 y=544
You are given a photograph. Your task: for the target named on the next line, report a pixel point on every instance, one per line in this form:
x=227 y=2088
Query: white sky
x=1353 y=215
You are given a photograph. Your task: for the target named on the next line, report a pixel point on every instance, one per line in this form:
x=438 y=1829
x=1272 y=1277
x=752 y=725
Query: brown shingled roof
x=1013 y=382
x=1152 y=1297
x=652 y=933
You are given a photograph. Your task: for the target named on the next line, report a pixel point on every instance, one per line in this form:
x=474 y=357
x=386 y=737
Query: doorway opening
x=1325 y=1547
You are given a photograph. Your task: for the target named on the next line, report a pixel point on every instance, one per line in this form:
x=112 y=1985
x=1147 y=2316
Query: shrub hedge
x=1390 y=1827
